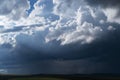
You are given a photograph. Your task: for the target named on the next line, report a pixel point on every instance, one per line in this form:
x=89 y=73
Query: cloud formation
x=58 y=29
x=65 y=24
x=14 y=9
x=110 y=8
x=105 y=3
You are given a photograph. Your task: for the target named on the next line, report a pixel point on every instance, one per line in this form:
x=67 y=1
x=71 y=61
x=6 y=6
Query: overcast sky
x=59 y=36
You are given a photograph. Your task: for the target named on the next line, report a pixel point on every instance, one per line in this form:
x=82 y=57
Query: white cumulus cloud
x=67 y=21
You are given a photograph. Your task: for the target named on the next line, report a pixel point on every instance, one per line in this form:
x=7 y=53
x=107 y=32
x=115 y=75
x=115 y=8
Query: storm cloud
x=64 y=35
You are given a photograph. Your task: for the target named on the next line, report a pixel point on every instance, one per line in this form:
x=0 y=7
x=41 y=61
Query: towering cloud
x=63 y=22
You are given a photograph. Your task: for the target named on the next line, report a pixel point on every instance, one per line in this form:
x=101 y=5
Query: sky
x=59 y=36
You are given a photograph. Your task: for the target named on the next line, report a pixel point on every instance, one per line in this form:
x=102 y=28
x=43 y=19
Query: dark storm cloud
x=56 y=67
x=34 y=55
x=101 y=56
x=107 y=45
